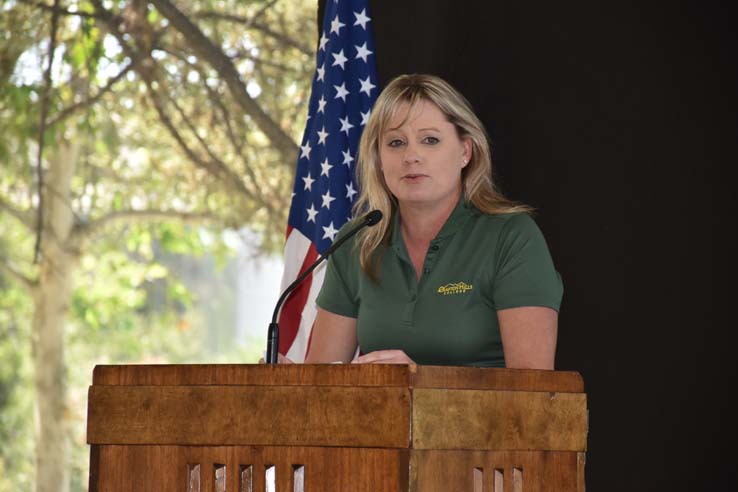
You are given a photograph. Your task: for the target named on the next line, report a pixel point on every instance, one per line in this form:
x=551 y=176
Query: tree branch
x=88 y=229
x=251 y=23
x=221 y=170
x=267 y=5
x=146 y=69
x=16 y=274
x=67 y=112
x=245 y=55
x=205 y=49
x=58 y=10
x=42 y=130
x=25 y=217
x=215 y=166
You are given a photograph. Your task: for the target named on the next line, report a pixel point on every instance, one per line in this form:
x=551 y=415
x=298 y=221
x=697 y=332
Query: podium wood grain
x=240 y=415
x=335 y=428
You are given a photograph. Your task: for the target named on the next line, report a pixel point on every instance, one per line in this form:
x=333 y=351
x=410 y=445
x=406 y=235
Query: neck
x=420 y=224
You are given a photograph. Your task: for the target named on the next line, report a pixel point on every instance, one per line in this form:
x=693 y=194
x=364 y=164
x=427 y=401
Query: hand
x=384 y=357
x=281 y=359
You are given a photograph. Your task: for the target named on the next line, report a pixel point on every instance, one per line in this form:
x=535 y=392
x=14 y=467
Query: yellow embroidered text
x=455 y=288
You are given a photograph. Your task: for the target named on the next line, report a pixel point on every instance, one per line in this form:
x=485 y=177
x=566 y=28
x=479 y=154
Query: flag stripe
x=343 y=92
x=291 y=314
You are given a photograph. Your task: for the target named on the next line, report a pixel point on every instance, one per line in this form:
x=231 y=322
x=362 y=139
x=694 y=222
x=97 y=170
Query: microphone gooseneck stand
x=369 y=219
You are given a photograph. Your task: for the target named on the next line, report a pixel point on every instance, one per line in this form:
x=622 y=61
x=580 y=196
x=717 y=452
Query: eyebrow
x=433 y=128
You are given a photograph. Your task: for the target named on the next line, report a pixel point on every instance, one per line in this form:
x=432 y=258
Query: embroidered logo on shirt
x=454 y=288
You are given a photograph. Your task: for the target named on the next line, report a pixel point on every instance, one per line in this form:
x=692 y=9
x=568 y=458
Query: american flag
x=343 y=92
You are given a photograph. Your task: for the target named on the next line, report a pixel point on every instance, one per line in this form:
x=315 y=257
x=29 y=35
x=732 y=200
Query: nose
x=412 y=156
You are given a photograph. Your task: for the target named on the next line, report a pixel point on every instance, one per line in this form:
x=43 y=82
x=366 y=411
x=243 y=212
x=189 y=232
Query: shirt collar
x=458 y=218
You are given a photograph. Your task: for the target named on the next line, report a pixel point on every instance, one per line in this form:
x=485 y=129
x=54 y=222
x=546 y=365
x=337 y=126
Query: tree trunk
x=51 y=297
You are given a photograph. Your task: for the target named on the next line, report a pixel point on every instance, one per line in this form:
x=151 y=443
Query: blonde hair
x=477 y=183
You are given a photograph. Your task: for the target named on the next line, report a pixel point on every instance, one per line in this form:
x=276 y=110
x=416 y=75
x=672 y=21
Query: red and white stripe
x=298 y=311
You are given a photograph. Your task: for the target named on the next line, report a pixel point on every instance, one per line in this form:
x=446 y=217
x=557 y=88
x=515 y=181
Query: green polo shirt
x=476 y=265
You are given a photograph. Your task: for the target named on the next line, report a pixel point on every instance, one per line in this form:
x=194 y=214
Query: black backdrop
x=619 y=124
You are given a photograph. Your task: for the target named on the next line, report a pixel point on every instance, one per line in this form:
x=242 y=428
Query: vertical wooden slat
x=581 y=459
x=499 y=481
x=94 y=481
x=270 y=478
x=219 y=471
x=246 y=478
x=193 y=477
x=298 y=478
x=517 y=479
x=478 y=479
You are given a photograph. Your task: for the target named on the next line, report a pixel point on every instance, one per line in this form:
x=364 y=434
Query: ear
x=466 y=154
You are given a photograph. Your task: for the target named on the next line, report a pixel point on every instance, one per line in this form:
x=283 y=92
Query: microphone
x=369 y=220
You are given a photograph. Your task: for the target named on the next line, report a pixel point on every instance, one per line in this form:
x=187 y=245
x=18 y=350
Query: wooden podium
x=335 y=428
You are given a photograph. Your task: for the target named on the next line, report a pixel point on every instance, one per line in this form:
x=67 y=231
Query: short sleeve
x=523 y=271
x=338 y=292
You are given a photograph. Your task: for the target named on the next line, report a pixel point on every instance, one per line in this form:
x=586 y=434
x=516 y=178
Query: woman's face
x=422 y=159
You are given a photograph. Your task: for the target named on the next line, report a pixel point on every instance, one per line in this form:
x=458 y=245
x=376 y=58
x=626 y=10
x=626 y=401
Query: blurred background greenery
x=146 y=150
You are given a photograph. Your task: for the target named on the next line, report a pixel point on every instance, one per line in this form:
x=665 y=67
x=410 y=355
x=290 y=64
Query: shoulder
x=510 y=235
x=348 y=227
x=347 y=252
x=505 y=225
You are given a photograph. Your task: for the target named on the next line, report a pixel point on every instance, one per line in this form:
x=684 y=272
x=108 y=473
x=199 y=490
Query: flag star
x=321 y=72
x=350 y=191
x=305 y=150
x=361 y=19
x=325 y=168
x=327 y=199
x=362 y=52
x=322 y=134
x=308 y=182
x=345 y=125
x=312 y=213
x=366 y=86
x=341 y=91
x=347 y=159
x=323 y=41
x=365 y=117
x=339 y=59
x=321 y=105
x=329 y=232
x=336 y=25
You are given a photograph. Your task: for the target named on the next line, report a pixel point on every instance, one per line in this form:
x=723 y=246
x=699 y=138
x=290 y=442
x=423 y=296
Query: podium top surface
x=398 y=375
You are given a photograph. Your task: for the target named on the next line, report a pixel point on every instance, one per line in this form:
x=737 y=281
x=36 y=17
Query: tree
x=146 y=112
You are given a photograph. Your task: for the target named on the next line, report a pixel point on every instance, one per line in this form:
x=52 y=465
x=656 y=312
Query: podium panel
x=247 y=469
x=335 y=428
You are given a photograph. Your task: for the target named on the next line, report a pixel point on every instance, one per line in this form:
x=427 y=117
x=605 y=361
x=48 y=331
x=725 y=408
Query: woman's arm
x=529 y=337
x=333 y=338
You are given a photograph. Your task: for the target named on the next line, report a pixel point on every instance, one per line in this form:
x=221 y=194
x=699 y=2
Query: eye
x=395 y=142
x=431 y=140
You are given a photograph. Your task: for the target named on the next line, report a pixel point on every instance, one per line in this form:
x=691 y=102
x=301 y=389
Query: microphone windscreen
x=373 y=217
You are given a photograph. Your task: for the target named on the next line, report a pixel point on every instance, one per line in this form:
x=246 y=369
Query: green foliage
x=168 y=137
x=16 y=403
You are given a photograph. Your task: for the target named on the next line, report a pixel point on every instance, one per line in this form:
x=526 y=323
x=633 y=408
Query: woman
x=455 y=274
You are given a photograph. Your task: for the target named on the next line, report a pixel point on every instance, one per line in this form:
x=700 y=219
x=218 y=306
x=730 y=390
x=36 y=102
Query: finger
x=281 y=359
x=383 y=357
x=368 y=358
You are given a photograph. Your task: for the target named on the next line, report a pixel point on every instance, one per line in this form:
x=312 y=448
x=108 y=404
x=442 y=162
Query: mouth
x=414 y=177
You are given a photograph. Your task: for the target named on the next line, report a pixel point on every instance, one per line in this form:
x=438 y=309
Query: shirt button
x=427 y=270
x=434 y=247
